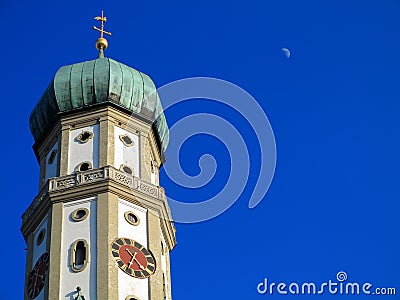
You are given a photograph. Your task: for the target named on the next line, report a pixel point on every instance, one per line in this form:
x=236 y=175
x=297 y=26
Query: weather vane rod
x=101 y=43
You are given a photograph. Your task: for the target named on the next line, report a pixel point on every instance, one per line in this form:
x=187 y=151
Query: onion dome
x=102 y=81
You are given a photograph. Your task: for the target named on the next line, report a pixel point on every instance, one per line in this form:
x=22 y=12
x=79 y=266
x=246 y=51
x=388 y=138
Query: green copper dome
x=97 y=82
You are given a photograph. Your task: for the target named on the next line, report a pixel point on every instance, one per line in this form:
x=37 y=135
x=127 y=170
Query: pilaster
x=154 y=240
x=145 y=151
x=107 y=230
x=64 y=150
x=106 y=141
x=56 y=226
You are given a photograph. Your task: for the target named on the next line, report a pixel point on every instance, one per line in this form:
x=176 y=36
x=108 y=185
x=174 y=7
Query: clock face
x=133 y=258
x=36 y=279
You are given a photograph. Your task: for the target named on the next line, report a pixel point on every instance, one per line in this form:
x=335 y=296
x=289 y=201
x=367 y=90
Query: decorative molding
x=148 y=188
x=80 y=202
x=93 y=176
x=134 y=206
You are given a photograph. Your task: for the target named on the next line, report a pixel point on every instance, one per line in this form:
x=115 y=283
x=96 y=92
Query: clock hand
x=140 y=265
x=134 y=258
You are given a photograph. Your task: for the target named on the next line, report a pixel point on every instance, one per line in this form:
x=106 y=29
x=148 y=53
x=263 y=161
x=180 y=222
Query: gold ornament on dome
x=101 y=43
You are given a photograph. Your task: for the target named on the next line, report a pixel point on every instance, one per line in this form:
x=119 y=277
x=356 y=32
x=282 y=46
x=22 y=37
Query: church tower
x=100 y=226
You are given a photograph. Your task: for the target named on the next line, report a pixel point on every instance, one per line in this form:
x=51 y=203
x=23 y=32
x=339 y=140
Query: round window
x=80 y=214
x=131 y=218
x=40 y=237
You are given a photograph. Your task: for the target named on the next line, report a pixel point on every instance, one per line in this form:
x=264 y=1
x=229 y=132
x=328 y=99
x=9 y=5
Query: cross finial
x=101 y=43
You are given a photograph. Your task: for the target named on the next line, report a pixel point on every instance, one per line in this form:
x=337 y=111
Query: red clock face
x=133 y=258
x=36 y=279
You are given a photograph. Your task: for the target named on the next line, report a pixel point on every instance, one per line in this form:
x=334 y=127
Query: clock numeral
x=150 y=267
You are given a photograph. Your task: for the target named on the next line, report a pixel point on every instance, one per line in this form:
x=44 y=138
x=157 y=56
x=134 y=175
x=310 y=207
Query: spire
x=101 y=43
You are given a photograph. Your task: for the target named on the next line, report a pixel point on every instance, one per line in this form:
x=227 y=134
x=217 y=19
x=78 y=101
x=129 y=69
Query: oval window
x=126 y=169
x=132 y=218
x=40 y=237
x=80 y=214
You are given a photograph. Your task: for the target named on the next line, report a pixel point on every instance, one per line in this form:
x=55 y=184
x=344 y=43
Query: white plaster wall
x=126 y=155
x=39 y=250
x=128 y=285
x=153 y=177
x=72 y=231
x=88 y=151
x=51 y=169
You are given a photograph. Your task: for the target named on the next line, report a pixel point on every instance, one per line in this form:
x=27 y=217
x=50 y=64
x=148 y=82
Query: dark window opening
x=80 y=255
x=52 y=157
x=40 y=237
x=85 y=136
x=127 y=169
x=132 y=218
x=84 y=167
x=80 y=214
x=127 y=140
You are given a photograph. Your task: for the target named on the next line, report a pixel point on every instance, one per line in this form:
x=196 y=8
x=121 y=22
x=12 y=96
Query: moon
x=286 y=51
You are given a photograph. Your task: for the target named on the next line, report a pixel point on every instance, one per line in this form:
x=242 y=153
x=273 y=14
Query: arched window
x=79 y=255
x=84 y=166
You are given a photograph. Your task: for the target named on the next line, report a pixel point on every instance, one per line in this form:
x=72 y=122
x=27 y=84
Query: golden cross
x=102 y=19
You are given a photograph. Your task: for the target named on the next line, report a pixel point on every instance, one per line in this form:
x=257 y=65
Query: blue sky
x=333 y=105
